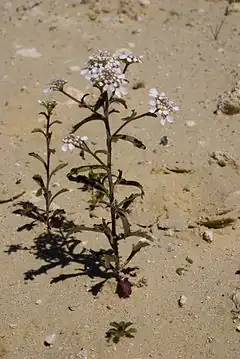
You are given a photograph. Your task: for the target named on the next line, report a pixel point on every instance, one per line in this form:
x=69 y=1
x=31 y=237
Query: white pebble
x=238 y=329
x=50 y=339
x=38 y=302
x=208 y=236
x=182 y=300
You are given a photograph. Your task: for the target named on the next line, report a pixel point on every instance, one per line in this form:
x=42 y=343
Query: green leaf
x=114 y=324
x=92 y=183
x=125 y=222
x=55 y=121
x=120 y=101
x=122 y=181
x=140 y=234
x=104 y=152
x=39 y=192
x=76 y=170
x=128 y=201
x=58 y=168
x=133 y=114
x=63 y=190
x=100 y=102
x=39 y=158
x=39 y=130
x=130 y=139
x=90 y=118
x=38 y=179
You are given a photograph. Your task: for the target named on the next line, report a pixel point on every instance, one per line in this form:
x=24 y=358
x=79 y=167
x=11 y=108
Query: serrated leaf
x=39 y=158
x=90 y=118
x=58 y=168
x=38 y=179
x=39 y=130
x=76 y=170
x=136 y=143
x=63 y=190
x=121 y=101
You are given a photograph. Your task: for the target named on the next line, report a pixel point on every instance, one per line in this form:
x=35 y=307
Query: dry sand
x=181 y=58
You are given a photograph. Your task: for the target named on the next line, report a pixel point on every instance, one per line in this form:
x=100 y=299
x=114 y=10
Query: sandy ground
x=182 y=58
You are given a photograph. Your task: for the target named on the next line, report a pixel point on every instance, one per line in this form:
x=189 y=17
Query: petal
x=163 y=121
x=170 y=119
x=71 y=146
x=84 y=138
x=153 y=92
x=152 y=103
x=64 y=147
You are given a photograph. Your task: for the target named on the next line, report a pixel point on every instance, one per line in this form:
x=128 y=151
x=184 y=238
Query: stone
x=208 y=236
x=182 y=301
x=50 y=339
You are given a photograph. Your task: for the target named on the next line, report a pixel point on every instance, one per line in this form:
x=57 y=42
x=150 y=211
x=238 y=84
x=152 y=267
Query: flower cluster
x=49 y=105
x=105 y=71
x=55 y=85
x=161 y=105
x=71 y=142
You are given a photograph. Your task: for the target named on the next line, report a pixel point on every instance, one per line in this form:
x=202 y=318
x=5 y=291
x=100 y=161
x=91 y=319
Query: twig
x=11 y=199
x=216 y=32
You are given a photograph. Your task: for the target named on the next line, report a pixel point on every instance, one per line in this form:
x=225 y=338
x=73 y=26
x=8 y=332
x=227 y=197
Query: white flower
x=71 y=142
x=161 y=105
x=106 y=73
x=55 y=85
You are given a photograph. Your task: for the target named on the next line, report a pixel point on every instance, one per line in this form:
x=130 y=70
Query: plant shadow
x=61 y=248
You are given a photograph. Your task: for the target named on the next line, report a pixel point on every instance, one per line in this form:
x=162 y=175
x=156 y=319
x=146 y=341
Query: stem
x=111 y=186
x=132 y=119
x=47 y=190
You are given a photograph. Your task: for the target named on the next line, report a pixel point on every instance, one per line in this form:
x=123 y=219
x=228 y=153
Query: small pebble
x=38 y=302
x=190 y=123
x=238 y=328
x=208 y=236
x=144 y=2
x=189 y=260
x=164 y=141
x=50 y=339
x=13 y=326
x=182 y=300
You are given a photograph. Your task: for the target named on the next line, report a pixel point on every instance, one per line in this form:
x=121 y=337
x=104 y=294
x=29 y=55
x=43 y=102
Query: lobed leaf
x=100 y=102
x=120 y=101
x=122 y=181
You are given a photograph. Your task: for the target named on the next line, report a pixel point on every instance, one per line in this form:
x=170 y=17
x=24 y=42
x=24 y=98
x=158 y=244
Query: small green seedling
x=120 y=330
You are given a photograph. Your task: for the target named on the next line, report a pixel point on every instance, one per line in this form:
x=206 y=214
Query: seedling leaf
x=77 y=170
x=38 y=179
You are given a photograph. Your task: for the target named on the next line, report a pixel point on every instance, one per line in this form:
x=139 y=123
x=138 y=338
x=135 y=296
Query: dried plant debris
x=229 y=101
x=223 y=159
x=217 y=222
